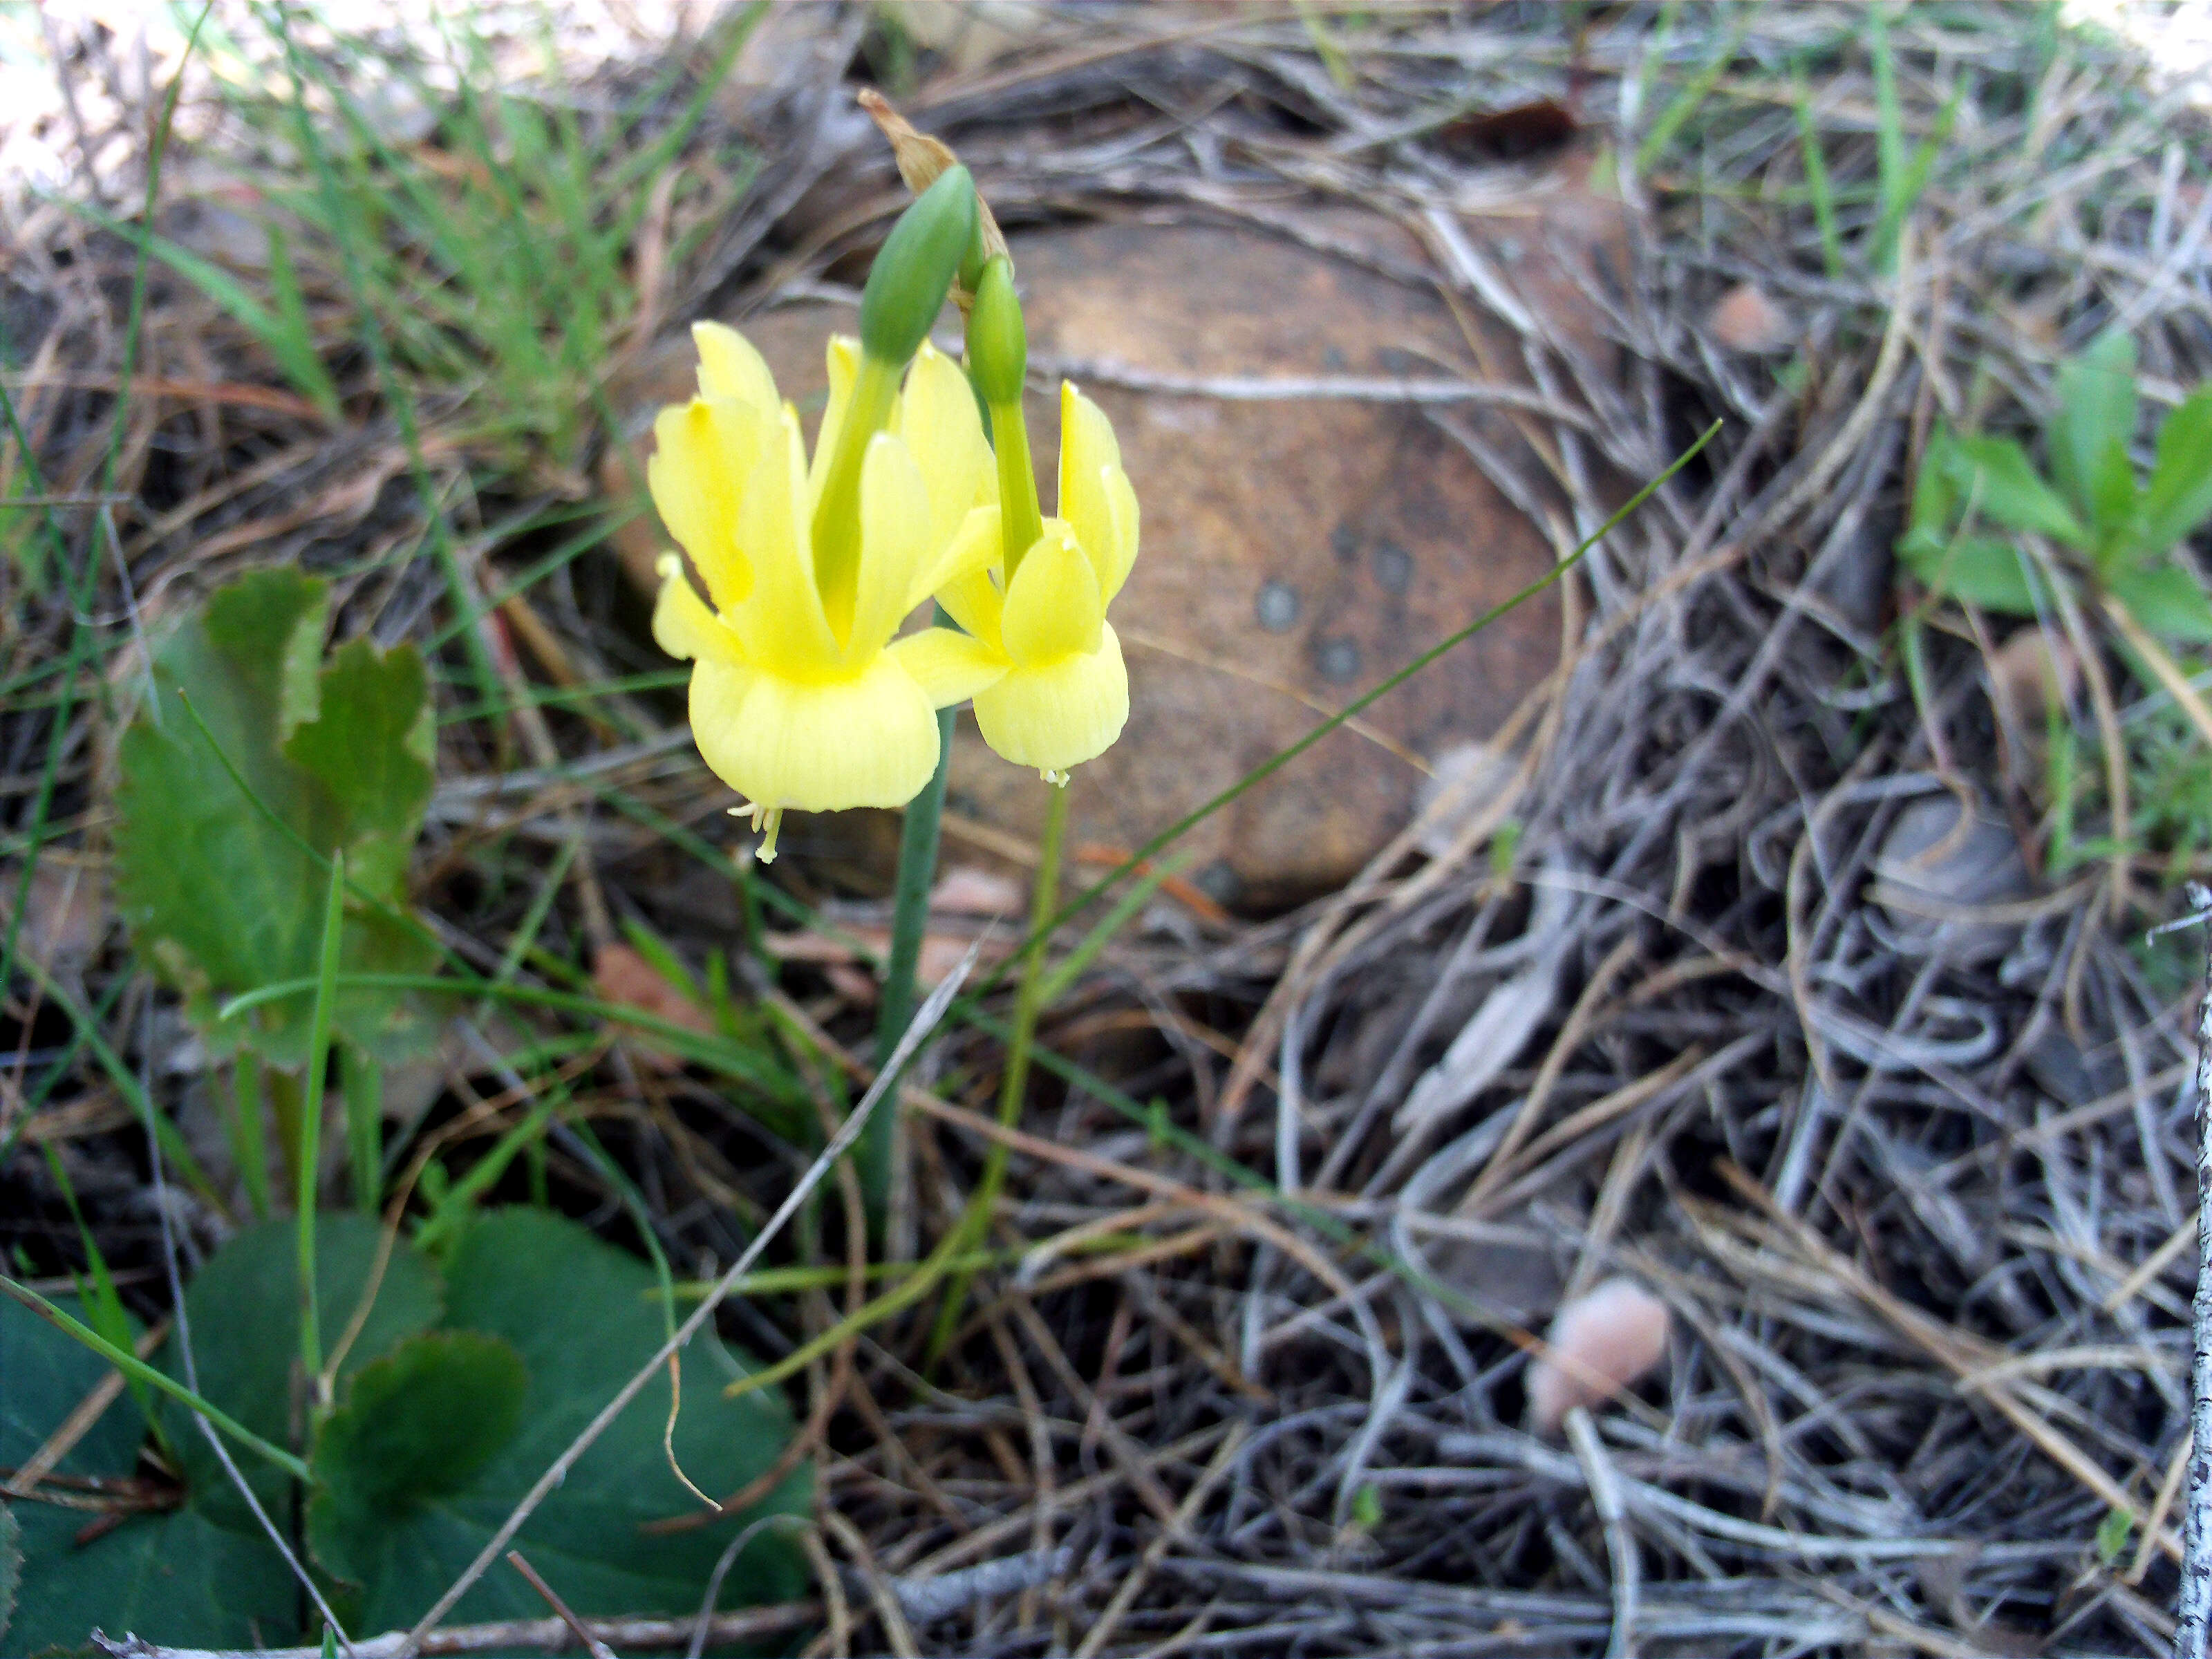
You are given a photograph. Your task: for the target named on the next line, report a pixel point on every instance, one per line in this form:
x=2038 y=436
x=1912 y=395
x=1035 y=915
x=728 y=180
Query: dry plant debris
x=1907 y=1165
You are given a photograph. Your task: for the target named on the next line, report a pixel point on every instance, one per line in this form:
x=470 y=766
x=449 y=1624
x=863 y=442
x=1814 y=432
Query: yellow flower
x=1064 y=696
x=800 y=697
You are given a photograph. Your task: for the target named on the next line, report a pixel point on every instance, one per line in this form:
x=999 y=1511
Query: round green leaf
x=416 y=1425
x=244 y=1308
x=583 y=1316
x=173 y=1576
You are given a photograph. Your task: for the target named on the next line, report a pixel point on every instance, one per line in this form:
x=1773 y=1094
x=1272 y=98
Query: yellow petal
x=820 y=745
x=1053 y=607
x=1113 y=565
x=1061 y=714
x=730 y=368
x=844 y=354
x=1090 y=462
x=781 y=623
x=949 y=667
x=681 y=625
x=894 y=544
x=938 y=418
x=973 y=547
x=973 y=602
x=702 y=453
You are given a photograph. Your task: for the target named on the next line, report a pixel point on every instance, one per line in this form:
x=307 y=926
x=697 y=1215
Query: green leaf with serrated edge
x=1996 y=476
x=415 y=1426
x=173 y=1576
x=370 y=749
x=2092 y=426
x=2180 y=496
x=579 y=1311
x=1972 y=570
x=2166 y=600
x=244 y=1306
x=225 y=899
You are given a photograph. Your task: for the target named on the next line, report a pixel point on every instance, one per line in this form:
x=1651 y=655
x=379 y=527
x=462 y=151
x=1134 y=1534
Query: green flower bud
x=908 y=284
x=997 y=349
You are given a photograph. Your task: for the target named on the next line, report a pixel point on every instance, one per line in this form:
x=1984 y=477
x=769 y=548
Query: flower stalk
x=1013 y=1083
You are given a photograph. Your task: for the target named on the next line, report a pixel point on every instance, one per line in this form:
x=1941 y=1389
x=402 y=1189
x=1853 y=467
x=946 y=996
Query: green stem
x=1021 y=521
x=361 y=1079
x=975 y=1220
x=917 y=872
x=836 y=528
x=311 y=1116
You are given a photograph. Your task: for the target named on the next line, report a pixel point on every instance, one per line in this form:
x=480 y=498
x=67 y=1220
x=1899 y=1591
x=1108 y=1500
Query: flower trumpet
x=1041 y=614
x=800 y=697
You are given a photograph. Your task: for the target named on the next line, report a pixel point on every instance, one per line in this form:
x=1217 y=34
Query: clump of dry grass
x=1905 y=1158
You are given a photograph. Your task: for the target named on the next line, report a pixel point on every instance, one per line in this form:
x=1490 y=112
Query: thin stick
x=514 y=1636
x=593 y=1645
x=2196 y=1605
x=557 y=1471
x=1619 y=1542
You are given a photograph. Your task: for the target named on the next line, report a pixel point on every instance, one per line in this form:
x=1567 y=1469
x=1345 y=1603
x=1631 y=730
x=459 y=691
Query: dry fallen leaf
x=1601 y=1343
x=622 y=976
x=64 y=914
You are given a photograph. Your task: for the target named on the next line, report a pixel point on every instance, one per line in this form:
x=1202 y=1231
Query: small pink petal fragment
x=1600 y=1344
x=1746 y=320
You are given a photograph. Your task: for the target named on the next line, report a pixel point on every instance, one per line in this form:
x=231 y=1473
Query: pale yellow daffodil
x=1064 y=694
x=800 y=697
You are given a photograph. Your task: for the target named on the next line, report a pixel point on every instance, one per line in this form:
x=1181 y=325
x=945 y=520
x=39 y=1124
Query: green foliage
x=2112 y=1534
x=221 y=873
x=2112 y=531
x=11 y=1564
x=491 y=250
x=2169 y=784
x=245 y=1309
x=452 y=1395
x=171 y=1575
x=418 y=1425
x=579 y=1314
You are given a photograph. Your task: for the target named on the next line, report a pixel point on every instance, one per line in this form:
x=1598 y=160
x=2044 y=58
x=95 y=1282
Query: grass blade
x=1817 y=183
x=138 y=1369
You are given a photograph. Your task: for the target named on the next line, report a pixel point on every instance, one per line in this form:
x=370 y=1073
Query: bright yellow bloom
x=1064 y=696
x=800 y=697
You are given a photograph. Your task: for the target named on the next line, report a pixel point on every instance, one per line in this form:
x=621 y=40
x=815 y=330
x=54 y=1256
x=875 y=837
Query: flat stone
x=1297 y=548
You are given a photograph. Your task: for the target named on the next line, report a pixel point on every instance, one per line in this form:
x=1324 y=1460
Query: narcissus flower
x=800 y=697
x=1064 y=694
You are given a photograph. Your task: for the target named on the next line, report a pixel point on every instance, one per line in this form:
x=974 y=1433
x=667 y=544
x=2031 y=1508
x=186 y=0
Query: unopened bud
x=998 y=347
x=907 y=285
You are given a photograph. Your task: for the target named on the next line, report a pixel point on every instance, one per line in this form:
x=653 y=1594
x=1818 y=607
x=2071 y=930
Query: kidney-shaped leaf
x=245 y=1311
x=582 y=1317
x=417 y=1425
x=171 y=1575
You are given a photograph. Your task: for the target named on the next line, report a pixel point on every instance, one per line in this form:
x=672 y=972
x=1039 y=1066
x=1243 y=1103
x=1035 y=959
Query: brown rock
x=1296 y=551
